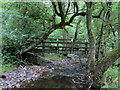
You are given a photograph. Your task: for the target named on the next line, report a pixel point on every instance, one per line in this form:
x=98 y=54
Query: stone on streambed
x=22 y=74
x=17 y=85
x=3 y=76
x=84 y=60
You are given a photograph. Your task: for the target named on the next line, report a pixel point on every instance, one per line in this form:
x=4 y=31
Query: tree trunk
x=76 y=30
x=64 y=35
x=92 y=41
x=101 y=42
x=105 y=63
x=94 y=78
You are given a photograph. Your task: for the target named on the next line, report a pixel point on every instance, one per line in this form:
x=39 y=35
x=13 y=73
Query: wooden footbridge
x=64 y=46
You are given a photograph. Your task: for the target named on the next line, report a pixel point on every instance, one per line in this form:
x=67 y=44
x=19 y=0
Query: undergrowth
x=7 y=67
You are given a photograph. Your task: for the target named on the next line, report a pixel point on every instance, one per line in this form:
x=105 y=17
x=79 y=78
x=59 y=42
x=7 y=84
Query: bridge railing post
x=57 y=45
x=72 y=46
x=86 y=48
x=43 y=46
x=86 y=45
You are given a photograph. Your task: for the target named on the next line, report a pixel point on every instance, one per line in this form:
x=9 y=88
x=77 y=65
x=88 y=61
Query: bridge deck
x=58 y=51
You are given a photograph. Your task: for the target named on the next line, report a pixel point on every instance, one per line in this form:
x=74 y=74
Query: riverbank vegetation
x=25 y=25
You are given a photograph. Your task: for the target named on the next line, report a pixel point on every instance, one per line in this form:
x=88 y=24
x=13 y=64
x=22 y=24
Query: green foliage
x=7 y=67
x=111 y=76
x=18 y=29
x=24 y=23
x=8 y=58
x=21 y=23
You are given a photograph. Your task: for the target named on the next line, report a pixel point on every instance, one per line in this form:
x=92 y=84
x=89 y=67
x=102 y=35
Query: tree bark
x=96 y=75
x=105 y=63
x=64 y=33
x=64 y=36
x=101 y=42
x=76 y=30
x=92 y=41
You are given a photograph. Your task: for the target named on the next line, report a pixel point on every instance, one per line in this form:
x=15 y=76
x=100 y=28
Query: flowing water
x=54 y=82
x=61 y=77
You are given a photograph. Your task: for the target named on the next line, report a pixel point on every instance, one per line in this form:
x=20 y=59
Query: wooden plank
x=56 y=39
x=40 y=50
x=57 y=45
x=55 y=51
x=43 y=48
x=62 y=47
x=66 y=42
x=86 y=50
x=69 y=48
x=64 y=39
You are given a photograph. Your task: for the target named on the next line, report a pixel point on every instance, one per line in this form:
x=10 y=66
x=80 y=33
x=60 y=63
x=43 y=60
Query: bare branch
x=60 y=9
x=61 y=14
x=67 y=9
x=73 y=16
x=55 y=9
x=76 y=7
x=99 y=14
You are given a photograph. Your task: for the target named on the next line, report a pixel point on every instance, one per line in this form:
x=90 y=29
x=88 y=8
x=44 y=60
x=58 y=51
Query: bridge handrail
x=65 y=42
x=63 y=47
x=64 y=39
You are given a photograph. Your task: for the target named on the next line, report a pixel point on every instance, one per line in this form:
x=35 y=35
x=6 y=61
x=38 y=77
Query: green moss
x=53 y=56
x=7 y=67
x=110 y=55
x=110 y=77
x=70 y=54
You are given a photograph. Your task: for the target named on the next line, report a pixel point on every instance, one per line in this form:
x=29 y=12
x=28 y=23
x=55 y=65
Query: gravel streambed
x=16 y=78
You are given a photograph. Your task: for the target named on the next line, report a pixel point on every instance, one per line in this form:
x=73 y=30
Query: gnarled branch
x=55 y=9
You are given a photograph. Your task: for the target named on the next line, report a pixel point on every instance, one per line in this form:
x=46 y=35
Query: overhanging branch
x=55 y=9
x=67 y=9
x=63 y=16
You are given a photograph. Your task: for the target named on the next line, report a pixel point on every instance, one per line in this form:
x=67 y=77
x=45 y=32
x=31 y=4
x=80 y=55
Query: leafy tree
x=24 y=21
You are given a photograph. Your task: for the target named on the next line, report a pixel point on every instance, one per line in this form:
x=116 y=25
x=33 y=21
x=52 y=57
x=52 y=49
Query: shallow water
x=61 y=77
x=57 y=79
x=54 y=82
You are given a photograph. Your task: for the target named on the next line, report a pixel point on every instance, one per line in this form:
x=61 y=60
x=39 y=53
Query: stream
x=64 y=71
x=52 y=74
x=54 y=82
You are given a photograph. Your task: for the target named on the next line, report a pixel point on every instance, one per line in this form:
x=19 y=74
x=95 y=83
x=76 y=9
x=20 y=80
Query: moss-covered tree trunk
x=92 y=41
x=93 y=79
x=103 y=65
x=101 y=41
x=107 y=61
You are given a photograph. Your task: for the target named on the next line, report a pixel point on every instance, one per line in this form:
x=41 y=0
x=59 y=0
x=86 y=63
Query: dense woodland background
x=97 y=22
